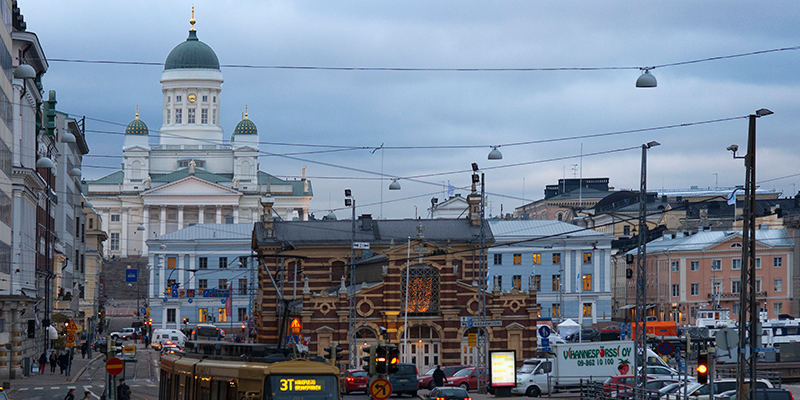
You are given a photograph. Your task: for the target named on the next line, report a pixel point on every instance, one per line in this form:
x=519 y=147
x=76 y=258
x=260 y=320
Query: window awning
x=627 y=307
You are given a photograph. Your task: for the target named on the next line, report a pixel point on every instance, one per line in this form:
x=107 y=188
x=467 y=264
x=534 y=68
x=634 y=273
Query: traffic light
x=333 y=352
x=380 y=360
x=369 y=361
x=185 y=321
x=392 y=356
x=702 y=368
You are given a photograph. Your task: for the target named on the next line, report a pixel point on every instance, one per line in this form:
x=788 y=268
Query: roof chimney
x=366 y=222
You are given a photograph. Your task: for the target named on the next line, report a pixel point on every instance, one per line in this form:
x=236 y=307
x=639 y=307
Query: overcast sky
x=446 y=108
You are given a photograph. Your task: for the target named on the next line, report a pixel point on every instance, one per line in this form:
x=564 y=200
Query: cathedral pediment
x=191 y=186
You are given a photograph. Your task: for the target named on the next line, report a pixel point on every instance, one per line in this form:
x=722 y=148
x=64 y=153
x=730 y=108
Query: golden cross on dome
x=192 y=21
x=137 y=111
x=245 y=111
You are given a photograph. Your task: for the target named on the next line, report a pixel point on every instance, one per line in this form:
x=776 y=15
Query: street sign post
x=114 y=366
x=380 y=389
x=665 y=348
x=472 y=324
x=131 y=275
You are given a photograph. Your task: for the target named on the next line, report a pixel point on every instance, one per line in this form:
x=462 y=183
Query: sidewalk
x=47 y=379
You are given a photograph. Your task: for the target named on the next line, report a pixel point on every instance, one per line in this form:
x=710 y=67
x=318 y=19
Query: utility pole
x=748 y=308
x=350 y=201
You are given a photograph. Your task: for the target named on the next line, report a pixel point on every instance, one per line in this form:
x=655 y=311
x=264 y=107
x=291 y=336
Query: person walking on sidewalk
x=87 y=395
x=70 y=395
x=53 y=361
x=42 y=362
x=84 y=349
x=62 y=362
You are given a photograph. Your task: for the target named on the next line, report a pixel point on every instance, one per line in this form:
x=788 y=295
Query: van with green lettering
x=573 y=362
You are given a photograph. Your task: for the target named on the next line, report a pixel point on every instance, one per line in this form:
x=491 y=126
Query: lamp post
x=350 y=201
x=641 y=290
x=748 y=308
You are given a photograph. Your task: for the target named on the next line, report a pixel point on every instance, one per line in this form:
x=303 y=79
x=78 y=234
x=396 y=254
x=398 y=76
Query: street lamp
x=495 y=154
x=394 y=185
x=350 y=201
x=641 y=301
x=748 y=308
x=646 y=80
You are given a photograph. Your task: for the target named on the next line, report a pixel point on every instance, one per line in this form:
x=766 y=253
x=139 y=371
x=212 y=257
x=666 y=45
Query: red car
x=426 y=381
x=354 y=380
x=467 y=378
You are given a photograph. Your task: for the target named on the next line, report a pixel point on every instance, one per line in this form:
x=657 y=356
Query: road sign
x=481 y=323
x=545 y=344
x=665 y=348
x=129 y=351
x=295 y=326
x=114 y=366
x=380 y=389
x=70 y=340
x=361 y=245
x=466 y=319
x=131 y=275
x=544 y=331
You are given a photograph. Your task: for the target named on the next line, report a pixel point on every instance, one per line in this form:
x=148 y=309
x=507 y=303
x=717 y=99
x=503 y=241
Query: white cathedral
x=192 y=176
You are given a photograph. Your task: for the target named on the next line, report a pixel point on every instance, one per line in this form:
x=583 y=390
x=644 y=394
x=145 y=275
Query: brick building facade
x=442 y=260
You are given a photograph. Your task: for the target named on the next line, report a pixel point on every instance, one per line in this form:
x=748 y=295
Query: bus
x=191 y=376
x=207 y=333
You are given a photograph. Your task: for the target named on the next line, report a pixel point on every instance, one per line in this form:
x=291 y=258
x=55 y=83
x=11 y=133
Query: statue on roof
x=192 y=164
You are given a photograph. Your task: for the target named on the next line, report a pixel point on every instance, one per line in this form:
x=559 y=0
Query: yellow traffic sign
x=70 y=340
x=380 y=389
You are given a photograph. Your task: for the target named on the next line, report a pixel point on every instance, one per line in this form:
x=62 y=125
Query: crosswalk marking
x=54 y=387
x=23 y=389
x=38 y=388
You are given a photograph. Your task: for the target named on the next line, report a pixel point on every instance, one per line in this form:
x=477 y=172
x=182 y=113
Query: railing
x=733 y=295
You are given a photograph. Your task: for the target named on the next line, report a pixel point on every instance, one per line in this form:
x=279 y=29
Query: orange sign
x=380 y=389
x=114 y=366
x=295 y=326
x=70 y=340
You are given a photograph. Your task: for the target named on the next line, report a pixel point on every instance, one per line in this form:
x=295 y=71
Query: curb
x=82 y=370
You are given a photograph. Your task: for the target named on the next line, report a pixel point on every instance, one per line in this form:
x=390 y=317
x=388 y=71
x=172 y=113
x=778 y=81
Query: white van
x=162 y=336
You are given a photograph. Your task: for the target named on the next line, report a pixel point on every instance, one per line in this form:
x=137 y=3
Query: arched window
x=560 y=216
x=423 y=289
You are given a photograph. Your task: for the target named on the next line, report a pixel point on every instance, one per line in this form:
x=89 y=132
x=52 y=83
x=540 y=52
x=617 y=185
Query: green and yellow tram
x=190 y=376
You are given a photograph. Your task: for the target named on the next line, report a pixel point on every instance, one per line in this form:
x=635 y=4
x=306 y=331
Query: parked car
x=660 y=372
x=652 y=388
x=761 y=394
x=448 y=393
x=100 y=344
x=466 y=378
x=584 y=335
x=699 y=391
x=354 y=380
x=618 y=382
x=426 y=381
x=404 y=381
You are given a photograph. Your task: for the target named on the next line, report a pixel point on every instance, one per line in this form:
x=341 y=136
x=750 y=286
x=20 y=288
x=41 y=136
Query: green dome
x=245 y=127
x=192 y=54
x=137 y=127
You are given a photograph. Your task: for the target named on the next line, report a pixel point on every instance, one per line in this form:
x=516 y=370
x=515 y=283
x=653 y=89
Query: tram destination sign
x=475 y=324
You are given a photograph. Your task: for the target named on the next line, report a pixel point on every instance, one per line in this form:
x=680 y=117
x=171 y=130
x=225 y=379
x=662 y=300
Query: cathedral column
x=219 y=214
x=235 y=214
x=146 y=223
x=180 y=217
x=201 y=217
x=106 y=217
x=163 y=220
x=123 y=240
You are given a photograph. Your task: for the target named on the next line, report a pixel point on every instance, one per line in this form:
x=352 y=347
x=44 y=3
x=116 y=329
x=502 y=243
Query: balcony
x=734 y=295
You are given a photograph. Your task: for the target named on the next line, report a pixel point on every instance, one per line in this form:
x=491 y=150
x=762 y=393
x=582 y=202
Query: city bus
x=191 y=376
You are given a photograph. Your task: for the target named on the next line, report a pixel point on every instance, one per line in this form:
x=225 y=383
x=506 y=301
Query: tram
x=196 y=375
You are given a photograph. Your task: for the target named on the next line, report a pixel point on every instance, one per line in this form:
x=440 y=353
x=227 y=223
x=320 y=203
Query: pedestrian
x=70 y=395
x=62 y=362
x=53 y=361
x=42 y=362
x=86 y=395
x=123 y=390
x=438 y=377
x=70 y=355
x=84 y=349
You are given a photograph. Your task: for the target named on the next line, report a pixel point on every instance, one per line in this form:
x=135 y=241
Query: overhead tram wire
x=409 y=69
